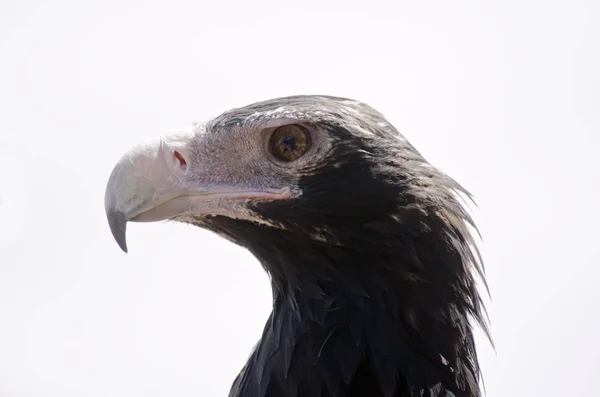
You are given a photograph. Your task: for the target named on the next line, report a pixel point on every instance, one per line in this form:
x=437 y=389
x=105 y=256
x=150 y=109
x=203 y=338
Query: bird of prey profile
x=368 y=247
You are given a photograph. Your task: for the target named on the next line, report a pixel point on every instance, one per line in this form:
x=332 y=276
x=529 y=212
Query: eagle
x=370 y=249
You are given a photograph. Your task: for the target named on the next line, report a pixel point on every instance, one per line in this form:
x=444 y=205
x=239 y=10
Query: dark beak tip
x=123 y=247
x=117 y=221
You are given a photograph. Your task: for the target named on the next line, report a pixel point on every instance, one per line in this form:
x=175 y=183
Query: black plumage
x=373 y=265
x=381 y=307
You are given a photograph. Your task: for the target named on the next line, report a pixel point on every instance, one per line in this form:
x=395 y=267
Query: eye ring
x=289 y=142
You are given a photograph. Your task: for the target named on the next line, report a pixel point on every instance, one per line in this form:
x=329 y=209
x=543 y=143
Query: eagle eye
x=289 y=142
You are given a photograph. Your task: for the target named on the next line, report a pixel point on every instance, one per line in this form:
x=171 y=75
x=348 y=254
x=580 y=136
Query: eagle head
x=354 y=226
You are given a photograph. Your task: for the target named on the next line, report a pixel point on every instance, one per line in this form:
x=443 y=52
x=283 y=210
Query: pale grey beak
x=144 y=181
x=155 y=181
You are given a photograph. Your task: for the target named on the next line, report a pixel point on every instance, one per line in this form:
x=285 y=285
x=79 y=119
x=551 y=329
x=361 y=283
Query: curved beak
x=144 y=179
x=153 y=182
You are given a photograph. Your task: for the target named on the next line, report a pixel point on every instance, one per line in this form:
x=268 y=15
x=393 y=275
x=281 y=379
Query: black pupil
x=289 y=142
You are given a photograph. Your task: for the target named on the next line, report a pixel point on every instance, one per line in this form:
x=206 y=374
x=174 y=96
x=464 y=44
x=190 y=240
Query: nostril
x=180 y=160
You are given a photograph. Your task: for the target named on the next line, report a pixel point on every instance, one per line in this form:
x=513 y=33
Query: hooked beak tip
x=118 y=226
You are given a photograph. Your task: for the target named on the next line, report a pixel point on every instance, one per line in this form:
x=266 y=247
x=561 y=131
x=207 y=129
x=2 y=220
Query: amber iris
x=289 y=142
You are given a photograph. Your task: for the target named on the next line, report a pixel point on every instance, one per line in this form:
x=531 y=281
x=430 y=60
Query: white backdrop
x=505 y=97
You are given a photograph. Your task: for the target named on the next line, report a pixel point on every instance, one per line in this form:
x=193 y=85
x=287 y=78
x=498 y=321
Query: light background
x=503 y=96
